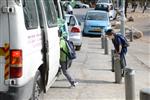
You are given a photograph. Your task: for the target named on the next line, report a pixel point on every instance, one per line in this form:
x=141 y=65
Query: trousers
x=67 y=73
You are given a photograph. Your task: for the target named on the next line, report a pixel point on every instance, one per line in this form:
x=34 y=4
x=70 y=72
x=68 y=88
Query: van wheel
x=38 y=93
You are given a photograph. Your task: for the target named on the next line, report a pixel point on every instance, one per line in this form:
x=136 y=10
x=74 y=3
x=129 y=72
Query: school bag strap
x=71 y=54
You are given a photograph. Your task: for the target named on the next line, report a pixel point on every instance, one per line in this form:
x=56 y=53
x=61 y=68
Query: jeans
x=123 y=61
x=66 y=73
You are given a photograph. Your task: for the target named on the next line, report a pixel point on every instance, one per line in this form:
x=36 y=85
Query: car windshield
x=96 y=16
x=104 y=1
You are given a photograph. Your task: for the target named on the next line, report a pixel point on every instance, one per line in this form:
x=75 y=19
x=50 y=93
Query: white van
x=29 y=48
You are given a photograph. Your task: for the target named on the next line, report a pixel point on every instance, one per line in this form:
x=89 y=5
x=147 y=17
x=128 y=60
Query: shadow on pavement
x=90 y=81
x=62 y=87
x=91 y=36
x=100 y=69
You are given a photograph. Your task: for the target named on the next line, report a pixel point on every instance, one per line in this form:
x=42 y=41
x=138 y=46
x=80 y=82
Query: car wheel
x=38 y=92
x=84 y=7
x=78 y=48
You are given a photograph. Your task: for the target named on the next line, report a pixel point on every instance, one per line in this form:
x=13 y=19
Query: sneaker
x=74 y=85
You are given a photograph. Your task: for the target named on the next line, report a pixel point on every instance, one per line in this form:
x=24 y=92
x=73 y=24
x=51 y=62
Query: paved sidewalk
x=92 y=69
x=96 y=81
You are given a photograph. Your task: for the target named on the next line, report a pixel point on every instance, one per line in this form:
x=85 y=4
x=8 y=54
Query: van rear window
x=30 y=14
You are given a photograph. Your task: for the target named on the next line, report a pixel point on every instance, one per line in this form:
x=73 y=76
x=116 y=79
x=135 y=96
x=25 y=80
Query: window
x=40 y=14
x=97 y=16
x=50 y=13
x=72 y=21
x=30 y=14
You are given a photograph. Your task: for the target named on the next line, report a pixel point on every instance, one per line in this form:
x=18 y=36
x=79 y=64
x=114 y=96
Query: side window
x=50 y=13
x=30 y=14
x=71 y=21
x=40 y=14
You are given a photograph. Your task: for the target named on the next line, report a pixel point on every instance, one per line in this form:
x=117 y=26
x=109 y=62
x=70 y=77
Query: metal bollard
x=102 y=41
x=145 y=94
x=112 y=59
x=129 y=84
x=106 y=45
x=131 y=36
x=117 y=68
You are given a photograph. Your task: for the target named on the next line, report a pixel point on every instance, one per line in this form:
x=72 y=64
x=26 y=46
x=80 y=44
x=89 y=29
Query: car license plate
x=97 y=30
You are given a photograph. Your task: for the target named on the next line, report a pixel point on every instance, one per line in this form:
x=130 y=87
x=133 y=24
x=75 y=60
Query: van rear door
x=4 y=44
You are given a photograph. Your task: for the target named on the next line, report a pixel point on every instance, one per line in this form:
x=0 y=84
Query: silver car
x=74 y=28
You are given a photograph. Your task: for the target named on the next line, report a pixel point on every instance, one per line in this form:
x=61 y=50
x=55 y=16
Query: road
x=142 y=23
x=92 y=69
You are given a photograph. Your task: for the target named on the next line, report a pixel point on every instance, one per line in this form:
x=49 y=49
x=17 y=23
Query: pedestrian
x=134 y=5
x=120 y=46
x=69 y=9
x=145 y=6
x=65 y=63
x=126 y=6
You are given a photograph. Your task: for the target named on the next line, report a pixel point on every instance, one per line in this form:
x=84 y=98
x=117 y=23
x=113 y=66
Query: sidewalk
x=92 y=69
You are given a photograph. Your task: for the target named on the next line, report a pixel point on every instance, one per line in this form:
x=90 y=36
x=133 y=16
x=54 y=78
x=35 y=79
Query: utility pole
x=122 y=29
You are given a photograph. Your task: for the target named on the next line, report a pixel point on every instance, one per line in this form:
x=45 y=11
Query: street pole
x=122 y=30
x=117 y=4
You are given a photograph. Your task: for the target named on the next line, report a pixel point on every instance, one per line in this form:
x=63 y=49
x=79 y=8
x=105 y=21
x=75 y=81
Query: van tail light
x=15 y=63
x=75 y=30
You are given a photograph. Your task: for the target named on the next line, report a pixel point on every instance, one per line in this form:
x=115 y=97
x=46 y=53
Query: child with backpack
x=65 y=60
x=120 y=44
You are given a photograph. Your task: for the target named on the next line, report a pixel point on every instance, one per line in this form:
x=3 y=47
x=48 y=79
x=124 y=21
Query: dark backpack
x=71 y=54
x=124 y=41
x=71 y=50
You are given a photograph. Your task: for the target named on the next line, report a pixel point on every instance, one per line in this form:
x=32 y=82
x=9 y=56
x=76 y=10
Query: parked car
x=81 y=5
x=74 y=28
x=107 y=7
x=104 y=1
x=96 y=22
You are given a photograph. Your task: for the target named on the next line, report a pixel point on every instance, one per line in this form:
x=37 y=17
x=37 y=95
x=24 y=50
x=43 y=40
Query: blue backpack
x=124 y=41
x=71 y=54
x=71 y=50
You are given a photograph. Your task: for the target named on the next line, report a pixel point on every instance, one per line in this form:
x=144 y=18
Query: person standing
x=145 y=6
x=69 y=9
x=120 y=46
x=64 y=62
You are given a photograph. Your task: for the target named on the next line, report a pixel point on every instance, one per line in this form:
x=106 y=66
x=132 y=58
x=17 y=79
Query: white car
x=107 y=7
x=104 y=1
x=74 y=28
x=81 y=5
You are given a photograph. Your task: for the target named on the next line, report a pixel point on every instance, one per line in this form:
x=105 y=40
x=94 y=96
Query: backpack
x=124 y=41
x=71 y=50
